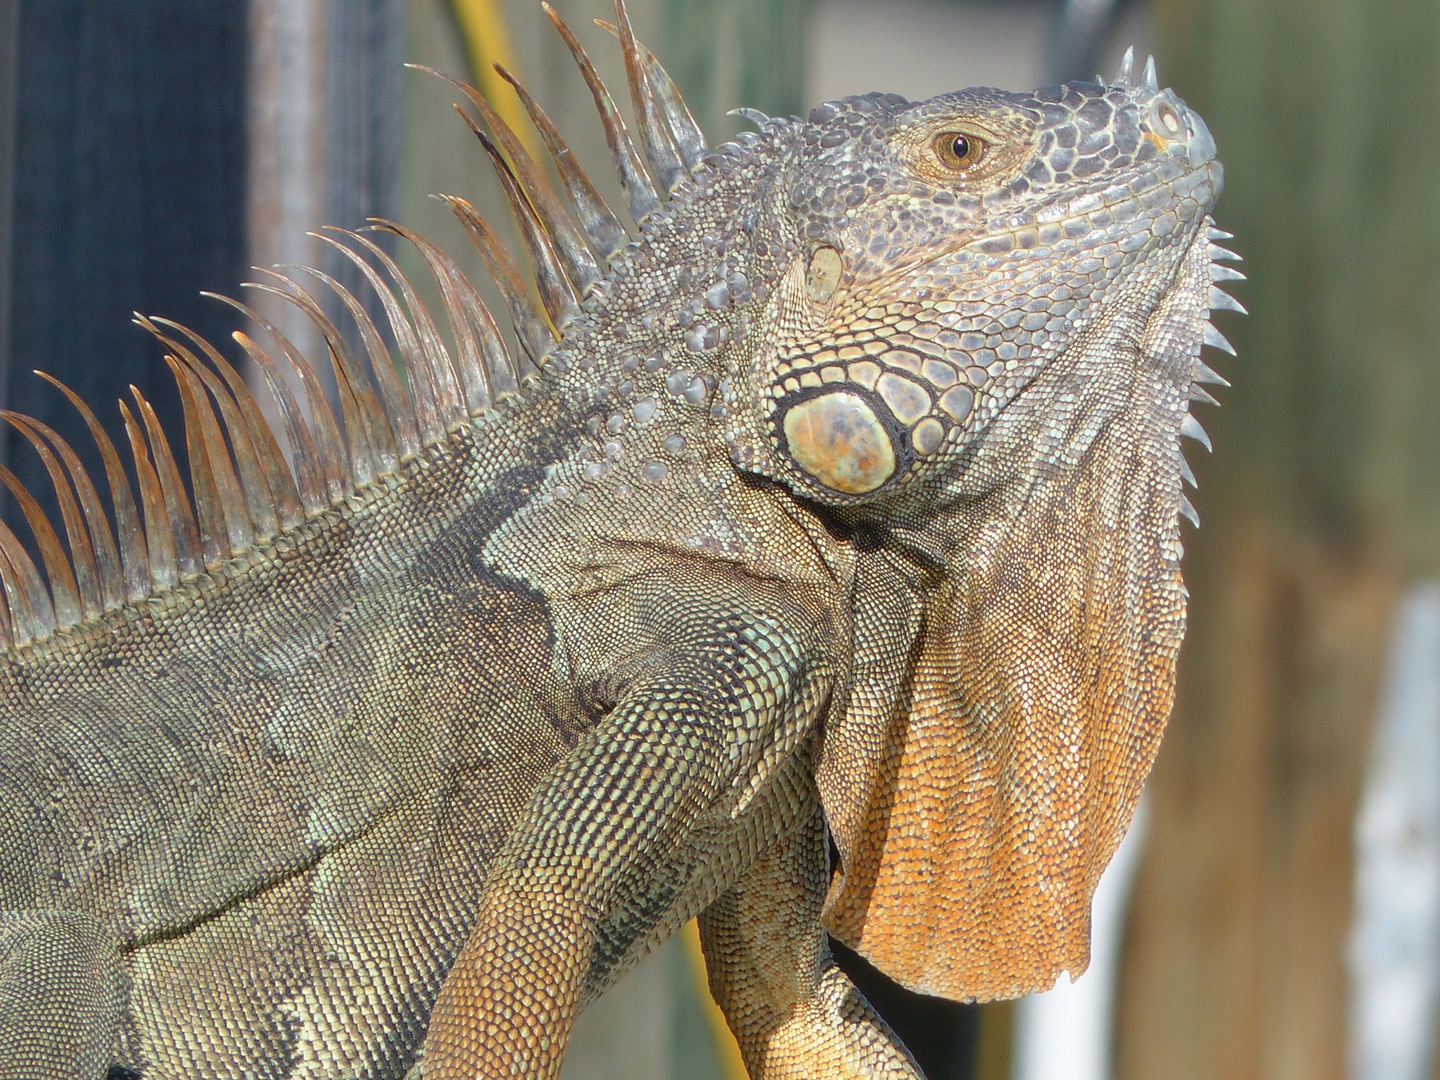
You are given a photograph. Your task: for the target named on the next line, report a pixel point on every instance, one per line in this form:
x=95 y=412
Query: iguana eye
x=959 y=152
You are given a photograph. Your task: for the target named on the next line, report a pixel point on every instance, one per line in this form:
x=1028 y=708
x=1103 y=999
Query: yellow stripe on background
x=726 y=1047
x=483 y=27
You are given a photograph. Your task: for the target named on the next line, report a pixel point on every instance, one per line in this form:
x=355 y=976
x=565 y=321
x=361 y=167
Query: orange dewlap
x=975 y=804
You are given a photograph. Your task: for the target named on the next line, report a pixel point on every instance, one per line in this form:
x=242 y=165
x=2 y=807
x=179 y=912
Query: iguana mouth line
x=1056 y=224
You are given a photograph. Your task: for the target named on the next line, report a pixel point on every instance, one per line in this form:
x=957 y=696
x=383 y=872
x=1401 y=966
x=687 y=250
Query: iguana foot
x=796 y=1015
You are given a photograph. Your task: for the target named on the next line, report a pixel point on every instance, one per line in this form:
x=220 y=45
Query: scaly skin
x=849 y=499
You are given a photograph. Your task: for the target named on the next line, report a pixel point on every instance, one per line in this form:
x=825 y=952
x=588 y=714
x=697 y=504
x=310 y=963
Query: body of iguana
x=843 y=500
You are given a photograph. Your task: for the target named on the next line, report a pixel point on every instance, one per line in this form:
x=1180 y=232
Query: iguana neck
x=642 y=371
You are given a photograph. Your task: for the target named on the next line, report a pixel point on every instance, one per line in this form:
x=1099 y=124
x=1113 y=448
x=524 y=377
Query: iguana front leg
x=794 y=1012
x=679 y=746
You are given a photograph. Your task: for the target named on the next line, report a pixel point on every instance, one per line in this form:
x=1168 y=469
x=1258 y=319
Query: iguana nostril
x=823 y=274
x=838 y=440
x=1166 y=123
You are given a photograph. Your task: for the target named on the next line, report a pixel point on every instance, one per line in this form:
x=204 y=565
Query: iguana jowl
x=845 y=496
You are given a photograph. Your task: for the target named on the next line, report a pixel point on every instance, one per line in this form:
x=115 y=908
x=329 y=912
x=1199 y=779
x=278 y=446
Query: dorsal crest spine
x=242 y=491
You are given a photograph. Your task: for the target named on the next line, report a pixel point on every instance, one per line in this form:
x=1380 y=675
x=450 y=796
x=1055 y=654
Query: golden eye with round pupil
x=959 y=152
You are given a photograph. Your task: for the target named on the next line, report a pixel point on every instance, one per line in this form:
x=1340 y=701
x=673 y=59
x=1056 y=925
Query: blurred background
x=1275 y=914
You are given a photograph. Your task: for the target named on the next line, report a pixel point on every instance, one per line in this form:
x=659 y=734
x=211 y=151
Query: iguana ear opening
x=1003 y=719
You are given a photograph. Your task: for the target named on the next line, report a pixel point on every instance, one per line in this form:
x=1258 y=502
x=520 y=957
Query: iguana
x=837 y=506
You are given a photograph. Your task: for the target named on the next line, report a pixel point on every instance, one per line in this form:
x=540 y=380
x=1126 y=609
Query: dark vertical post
x=364 y=72
x=770 y=49
x=9 y=66
x=129 y=173
x=364 y=67
x=741 y=52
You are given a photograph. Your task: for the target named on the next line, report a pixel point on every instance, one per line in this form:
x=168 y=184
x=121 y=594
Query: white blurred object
x=1395 y=940
x=1066 y=1033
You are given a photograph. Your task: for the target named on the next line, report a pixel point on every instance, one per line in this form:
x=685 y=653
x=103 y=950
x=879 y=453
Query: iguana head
x=946 y=252
x=981 y=354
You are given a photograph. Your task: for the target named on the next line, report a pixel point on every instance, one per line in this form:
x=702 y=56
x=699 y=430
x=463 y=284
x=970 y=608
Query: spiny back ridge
x=241 y=491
